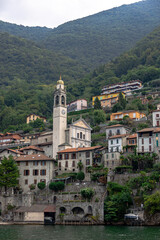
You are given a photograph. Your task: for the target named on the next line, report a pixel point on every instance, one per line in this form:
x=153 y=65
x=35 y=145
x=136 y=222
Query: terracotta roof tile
x=117 y=125
x=118 y=136
x=33 y=157
x=32 y=148
x=68 y=150
x=132 y=136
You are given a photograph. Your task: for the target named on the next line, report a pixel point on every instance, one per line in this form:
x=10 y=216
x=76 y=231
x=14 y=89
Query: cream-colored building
x=33 y=169
x=33 y=117
x=78 y=134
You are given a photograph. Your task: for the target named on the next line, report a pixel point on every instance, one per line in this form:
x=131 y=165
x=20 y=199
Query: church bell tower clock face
x=63 y=112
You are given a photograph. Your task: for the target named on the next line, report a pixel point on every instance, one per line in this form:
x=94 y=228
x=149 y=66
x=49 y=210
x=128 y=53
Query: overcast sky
x=51 y=13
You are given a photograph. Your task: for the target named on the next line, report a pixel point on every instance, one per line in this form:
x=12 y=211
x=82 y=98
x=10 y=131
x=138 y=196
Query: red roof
x=68 y=150
x=132 y=136
x=117 y=125
x=118 y=136
x=32 y=148
x=150 y=130
x=33 y=157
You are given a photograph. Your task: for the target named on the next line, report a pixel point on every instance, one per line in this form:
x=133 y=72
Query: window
x=59 y=164
x=117 y=141
x=43 y=163
x=80 y=135
x=73 y=155
x=59 y=156
x=73 y=164
x=142 y=141
x=112 y=155
x=118 y=131
x=87 y=154
x=18 y=163
x=66 y=156
x=111 y=142
x=57 y=100
x=35 y=163
x=142 y=148
x=35 y=181
x=107 y=156
x=111 y=149
x=63 y=100
x=157 y=143
x=26 y=163
x=112 y=163
x=77 y=135
x=110 y=132
x=66 y=164
x=26 y=181
x=35 y=172
x=43 y=172
x=87 y=161
x=150 y=148
x=149 y=140
x=157 y=115
x=83 y=136
x=26 y=172
x=107 y=163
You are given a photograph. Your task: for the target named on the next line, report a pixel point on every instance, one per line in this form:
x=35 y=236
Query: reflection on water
x=35 y=232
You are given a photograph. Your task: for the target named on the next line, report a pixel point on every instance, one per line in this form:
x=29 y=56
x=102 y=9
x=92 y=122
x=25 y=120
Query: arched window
x=62 y=210
x=62 y=100
x=57 y=100
x=77 y=210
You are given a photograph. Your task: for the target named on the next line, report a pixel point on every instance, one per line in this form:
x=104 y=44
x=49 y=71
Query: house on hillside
x=68 y=159
x=117 y=129
x=35 y=168
x=156 y=118
x=132 y=114
x=32 y=117
x=107 y=100
x=77 y=105
x=125 y=87
x=148 y=141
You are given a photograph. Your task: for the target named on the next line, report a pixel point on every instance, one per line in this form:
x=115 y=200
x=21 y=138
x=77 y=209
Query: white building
x=116 y=143
x=117 y=129
x=77 y=105
x=156 y=118
x=78 y=134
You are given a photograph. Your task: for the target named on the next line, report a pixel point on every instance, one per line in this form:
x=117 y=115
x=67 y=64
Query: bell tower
x=59 y=116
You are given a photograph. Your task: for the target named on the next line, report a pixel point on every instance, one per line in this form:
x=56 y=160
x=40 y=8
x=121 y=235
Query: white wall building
x=156 y=118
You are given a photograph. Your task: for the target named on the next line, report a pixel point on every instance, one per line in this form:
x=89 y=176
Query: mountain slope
x=96 y=39
x=142 y=62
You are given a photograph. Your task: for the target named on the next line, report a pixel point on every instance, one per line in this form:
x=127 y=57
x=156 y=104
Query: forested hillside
x=22 y=95
x=142 y=62
x=98 y=38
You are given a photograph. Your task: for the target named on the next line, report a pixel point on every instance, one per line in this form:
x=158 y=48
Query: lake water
x=41 y=232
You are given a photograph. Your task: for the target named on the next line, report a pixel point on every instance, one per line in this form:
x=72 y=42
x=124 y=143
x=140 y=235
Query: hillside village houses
x=43 y=156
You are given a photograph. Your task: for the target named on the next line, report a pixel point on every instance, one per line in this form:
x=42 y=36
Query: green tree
x=152 y=203
x=41 y=185
x=80 y=165
x=87 y=193
x=122 y=100
x=56 y=186
x=80 y=176
x=9 y=173
x=97 y=104
x=99 y=116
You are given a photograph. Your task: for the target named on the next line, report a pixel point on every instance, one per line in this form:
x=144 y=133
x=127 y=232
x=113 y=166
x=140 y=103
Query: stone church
x=77 y=134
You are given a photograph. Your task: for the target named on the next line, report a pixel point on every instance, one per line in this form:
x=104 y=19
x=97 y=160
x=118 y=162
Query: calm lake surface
x=78 y=233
